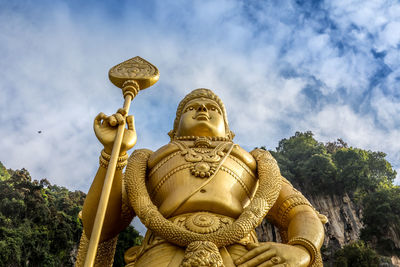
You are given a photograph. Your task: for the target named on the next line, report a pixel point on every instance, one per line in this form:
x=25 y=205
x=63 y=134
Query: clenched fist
x=105 y=128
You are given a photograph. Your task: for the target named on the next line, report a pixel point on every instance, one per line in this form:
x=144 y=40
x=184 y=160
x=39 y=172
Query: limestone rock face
x=344 y=224
x=344 y=218
x=267 y=232
x=343 y=227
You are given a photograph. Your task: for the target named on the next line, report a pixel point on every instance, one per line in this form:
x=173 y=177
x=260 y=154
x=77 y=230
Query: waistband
x=197 y=222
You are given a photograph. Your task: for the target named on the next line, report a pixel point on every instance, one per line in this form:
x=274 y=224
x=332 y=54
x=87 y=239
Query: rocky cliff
x=344 y=225
x=344 y=217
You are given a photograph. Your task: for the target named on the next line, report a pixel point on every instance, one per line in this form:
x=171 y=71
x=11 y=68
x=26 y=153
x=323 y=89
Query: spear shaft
x=105 y=193
x=131 y=76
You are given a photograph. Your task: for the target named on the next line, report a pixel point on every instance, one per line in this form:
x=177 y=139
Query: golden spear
x=131 y=76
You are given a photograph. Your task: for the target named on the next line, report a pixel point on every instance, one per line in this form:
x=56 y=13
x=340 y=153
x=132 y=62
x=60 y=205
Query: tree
x=292 y=155
x=381 y=219
x=332 y=147
x=319 y=173
x=356 y=254
x=333 y=167
x=362 y=171
x=39 y=223
x=126 y=239
x=4 y=175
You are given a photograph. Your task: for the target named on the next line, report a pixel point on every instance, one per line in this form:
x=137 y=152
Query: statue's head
x=201 y=113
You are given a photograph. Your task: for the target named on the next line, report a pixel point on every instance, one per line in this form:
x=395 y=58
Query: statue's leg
x=161 y=255
x=236 y=251
x=226 y=257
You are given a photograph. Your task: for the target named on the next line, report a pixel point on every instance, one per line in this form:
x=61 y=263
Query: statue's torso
x=183 y=178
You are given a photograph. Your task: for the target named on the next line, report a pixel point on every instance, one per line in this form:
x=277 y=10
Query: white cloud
x=391 y=34
x=54 y=68
x=386 y=108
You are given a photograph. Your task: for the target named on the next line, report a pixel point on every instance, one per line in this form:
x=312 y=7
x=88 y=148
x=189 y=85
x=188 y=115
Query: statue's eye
x=213 y=108
x=190 y=108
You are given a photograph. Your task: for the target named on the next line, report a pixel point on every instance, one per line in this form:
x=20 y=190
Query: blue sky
x=332 y=67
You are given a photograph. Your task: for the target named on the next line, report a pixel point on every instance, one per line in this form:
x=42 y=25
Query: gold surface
x=137 y=69
x=227 y=193
x=201 y=196
x=131 y=76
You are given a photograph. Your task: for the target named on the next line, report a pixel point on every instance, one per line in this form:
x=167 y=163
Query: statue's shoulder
x=161 y=153
x=139 y=154
x=245 y=156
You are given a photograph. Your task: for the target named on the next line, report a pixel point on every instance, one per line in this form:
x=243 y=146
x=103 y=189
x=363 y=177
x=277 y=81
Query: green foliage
x=332 y=167
x=362 y=171
x=381 y=219
x=305 y=161
x=39 y=223
x=35 y=228
x=332 y=147
x=126 y=239
x=4 y=175
x=335 y=168
x=319 y=172
x=294 y=154
x=356 y=254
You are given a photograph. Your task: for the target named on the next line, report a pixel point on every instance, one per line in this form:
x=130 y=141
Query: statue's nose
x=201 y=108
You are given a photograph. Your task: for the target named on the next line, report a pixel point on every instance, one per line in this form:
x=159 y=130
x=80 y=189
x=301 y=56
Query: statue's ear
x=171 y=134
x=231 y=135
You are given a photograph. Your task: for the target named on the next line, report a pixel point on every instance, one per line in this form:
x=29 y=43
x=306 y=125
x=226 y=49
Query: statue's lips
x=202 y=117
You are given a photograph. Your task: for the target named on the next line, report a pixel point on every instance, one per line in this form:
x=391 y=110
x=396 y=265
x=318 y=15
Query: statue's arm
x=113 y=222
x=118 y=215
x=300 y=224
x=295 y=218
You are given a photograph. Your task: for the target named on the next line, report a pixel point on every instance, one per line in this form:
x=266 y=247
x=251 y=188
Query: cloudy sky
x=332 y=67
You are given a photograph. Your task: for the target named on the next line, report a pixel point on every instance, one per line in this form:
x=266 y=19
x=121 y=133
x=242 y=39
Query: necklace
x=194 y=138
x=205 y=159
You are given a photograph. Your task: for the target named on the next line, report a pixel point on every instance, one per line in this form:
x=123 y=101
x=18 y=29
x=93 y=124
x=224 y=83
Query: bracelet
x=308 y=245
x=105 y=159
x=107 y=156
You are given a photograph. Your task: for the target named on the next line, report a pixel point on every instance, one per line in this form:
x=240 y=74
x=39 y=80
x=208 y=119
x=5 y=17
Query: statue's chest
x=201 y=174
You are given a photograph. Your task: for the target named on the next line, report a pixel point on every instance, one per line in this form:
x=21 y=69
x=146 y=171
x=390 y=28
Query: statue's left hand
x=274 y=254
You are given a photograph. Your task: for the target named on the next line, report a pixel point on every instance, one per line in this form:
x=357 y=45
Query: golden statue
x=200 y=197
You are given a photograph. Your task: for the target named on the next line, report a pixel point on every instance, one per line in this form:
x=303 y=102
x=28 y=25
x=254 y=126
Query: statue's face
x=201 y=117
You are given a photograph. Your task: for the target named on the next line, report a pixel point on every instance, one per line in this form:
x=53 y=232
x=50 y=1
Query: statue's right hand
x=105 y=128
x=273 y=254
